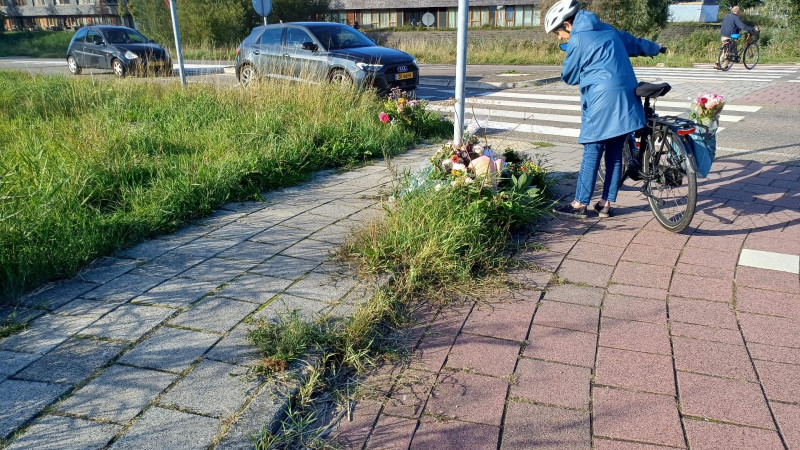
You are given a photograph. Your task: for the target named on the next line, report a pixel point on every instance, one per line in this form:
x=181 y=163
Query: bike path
x=622 y=336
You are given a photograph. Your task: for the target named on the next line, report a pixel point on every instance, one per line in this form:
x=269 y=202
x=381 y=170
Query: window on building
x=86 y=2
x=508 y=17
x=336 y=16
x=452 y=18
x=379 y=18
x=20 y=3
x=478 y=16
x=62 y=2
x=39 y=3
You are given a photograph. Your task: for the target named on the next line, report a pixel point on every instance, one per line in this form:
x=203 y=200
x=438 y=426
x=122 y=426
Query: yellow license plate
x=405 y=76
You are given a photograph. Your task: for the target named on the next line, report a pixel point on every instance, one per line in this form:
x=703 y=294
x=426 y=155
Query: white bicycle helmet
x=559 y=12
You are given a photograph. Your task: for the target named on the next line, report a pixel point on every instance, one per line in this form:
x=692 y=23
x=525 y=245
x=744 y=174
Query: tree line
x=228 y=22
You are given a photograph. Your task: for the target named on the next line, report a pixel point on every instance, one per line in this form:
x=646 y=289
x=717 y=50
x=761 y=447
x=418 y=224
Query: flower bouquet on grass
x=705 y=111
x=399 y=109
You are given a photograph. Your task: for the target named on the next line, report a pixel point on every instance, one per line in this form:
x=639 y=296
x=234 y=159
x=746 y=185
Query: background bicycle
x=748 y=54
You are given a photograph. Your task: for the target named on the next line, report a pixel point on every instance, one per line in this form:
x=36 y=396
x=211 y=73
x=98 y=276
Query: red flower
x=384 y=117
x=702 y=101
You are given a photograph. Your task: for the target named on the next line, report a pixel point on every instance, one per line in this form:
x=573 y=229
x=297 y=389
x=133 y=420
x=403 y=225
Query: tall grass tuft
x=88 y=168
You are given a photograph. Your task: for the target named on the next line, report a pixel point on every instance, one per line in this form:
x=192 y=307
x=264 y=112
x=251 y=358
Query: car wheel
x=74 y=68
x=340 y=77
x=247 y=75
x=118 y=68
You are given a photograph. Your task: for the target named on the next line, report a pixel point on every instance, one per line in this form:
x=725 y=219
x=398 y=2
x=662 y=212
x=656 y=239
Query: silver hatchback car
x=323 y=51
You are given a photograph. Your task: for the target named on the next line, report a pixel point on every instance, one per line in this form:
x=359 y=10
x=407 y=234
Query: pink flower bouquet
x=706 y=109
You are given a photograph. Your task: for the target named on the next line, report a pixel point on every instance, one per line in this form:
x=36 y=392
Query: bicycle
x=748 y=55
x=659 y=155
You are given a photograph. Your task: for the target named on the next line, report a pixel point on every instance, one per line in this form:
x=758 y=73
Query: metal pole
x=173 y=9
x=461 y=70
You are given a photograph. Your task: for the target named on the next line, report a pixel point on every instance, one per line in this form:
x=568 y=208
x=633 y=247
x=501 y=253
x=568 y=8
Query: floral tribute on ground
x=705 y=111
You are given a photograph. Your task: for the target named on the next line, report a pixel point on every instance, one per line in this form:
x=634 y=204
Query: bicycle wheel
x=670 y=187
x=750 y=55
x=626 y=159
x=724 y=60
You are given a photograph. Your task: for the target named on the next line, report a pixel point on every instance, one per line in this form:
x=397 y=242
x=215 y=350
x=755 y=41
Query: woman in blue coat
x=598 y=61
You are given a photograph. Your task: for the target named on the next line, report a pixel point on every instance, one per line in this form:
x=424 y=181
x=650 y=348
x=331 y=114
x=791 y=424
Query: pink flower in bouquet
x=383 y=117
x=706 y=108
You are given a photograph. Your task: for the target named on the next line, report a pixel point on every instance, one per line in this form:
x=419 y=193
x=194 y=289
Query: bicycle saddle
x=652 y=90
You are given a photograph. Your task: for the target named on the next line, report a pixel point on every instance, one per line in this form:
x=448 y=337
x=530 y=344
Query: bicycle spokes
x=669 y=186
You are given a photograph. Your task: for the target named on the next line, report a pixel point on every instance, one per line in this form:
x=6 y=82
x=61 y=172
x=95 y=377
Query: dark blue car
x=323 y=52
x=121 y=49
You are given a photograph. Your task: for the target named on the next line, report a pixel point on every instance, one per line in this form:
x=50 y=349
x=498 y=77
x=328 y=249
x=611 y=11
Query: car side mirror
x=98 y=41
x=310 y=46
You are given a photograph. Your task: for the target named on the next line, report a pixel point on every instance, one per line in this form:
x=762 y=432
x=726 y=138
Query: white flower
x=391 y=199
x=460 y=167
x=468 y=180
x=453 y=183
x=446 y=163
x=438 y=187
x=477 y=149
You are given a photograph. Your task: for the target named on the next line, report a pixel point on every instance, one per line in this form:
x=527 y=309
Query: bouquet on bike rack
x=705 y=111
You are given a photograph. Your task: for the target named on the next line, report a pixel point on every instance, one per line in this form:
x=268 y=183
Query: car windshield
x=122 y=36
x=337 y=38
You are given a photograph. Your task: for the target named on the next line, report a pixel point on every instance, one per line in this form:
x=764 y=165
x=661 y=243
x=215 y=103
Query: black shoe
x=569 y=211
x=602 y=211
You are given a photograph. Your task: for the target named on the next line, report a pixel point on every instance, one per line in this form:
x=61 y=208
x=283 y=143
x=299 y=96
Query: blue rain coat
x=597 y=60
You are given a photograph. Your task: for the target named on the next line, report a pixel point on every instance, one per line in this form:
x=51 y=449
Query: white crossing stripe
x=548 y=114
x=770 y=260
x=759 y=74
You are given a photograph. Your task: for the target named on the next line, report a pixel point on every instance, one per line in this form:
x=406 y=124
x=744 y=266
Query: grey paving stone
x=66 y=433
x=285 y=267
x=215 y=314
x=44 y=333
x=218 y=270
x=118 y=394
x=123 y=288
x=148 y=250
x=106 y=269
x=310 y=249
x=188 y=233
x=129 y=322
x=335 y=210
x=250 y=251
x=12 y=362
x=244 y=207
x=22 y=400
x=171 y=349
x=72 y=361
x=307 y=222
x=320 y=286
x=285 y=305
x=177 y=292
x=54 y=295
x=160 y=428
x=206 y=247
x=15 y=315
x=236 y=231
x=281 y=236
x=169 y=265
x=86 y=307
x=266 y=409
x=341 y=310
x=254 y=288
x=220 y=217
x=213 y=388
x=335 y=234
x=236 y=348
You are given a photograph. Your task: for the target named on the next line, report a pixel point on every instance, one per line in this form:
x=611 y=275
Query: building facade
x=435 y=13
x=61 y=14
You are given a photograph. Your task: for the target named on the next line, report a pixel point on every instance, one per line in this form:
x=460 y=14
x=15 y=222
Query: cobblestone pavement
x=148 y=349
x=627 y=337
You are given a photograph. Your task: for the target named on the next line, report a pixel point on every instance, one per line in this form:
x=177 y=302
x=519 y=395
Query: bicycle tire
x=670 y=184
x=750 y=55
x=626 y=160
x=724 y=60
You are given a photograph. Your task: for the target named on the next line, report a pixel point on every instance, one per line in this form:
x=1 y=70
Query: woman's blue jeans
x=587 y=176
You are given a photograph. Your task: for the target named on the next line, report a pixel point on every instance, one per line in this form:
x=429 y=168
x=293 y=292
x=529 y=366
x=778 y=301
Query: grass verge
x=442 y=239
x=88 y=168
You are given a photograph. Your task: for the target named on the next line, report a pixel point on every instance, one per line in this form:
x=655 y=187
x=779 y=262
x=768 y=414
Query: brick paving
x=634 y=337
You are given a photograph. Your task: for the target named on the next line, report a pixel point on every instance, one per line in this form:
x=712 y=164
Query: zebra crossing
x=526 y=115
x=760 y=74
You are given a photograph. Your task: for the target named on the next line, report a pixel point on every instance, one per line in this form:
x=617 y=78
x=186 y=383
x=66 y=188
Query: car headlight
x=130 y=55
x=369 y=67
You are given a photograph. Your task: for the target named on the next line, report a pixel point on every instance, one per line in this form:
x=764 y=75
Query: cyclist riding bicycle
x=732 y=25
x=598 y=60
